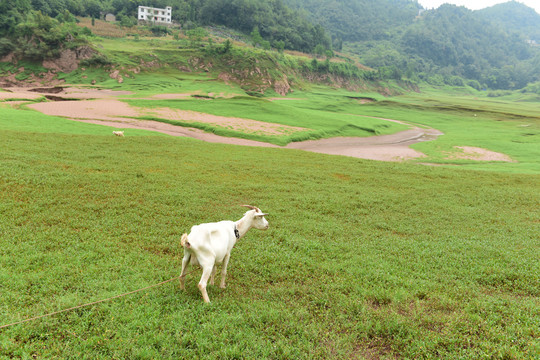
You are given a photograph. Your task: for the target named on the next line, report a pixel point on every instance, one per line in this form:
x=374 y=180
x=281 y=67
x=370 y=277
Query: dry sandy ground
x=105 y=109
x=475 y=153
x=19 y=95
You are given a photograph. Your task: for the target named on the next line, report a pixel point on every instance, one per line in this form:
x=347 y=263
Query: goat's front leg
x=224 y=270
x=185 y=262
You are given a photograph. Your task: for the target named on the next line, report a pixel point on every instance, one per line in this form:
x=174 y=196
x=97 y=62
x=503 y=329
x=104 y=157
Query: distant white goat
x=118 y=133
x=210 y=244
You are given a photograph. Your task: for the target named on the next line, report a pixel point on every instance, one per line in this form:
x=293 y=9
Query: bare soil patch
x=127 y=123
x=237 y=124
x=103 y=109
x=6 y=96
x=393 y=147
x=115 y=110
x=62 y=92
x=479 y=154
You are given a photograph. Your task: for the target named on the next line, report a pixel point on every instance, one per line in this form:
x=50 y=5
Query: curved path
x=393 y=147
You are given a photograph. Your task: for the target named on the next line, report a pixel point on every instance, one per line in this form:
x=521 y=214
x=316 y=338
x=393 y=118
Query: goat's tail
x=184 y=241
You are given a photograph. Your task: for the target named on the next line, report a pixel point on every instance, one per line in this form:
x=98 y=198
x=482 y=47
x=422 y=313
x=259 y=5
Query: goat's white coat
x=118 y=133
x=211 y=243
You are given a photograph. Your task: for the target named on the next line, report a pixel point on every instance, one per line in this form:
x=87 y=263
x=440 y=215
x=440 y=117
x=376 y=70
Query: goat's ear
x=261 y=214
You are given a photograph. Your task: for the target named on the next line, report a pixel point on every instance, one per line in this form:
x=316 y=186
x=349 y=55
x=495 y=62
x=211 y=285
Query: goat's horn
x=251 y=207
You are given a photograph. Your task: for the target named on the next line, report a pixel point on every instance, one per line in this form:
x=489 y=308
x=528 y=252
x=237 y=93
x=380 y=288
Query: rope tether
x=92 y=303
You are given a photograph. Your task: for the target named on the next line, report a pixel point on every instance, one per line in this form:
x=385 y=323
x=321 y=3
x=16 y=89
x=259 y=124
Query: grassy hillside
x=363 y=259
x=254 y=70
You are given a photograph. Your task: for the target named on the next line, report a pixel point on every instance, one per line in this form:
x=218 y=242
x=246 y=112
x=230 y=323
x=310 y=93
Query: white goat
x=118 y=133
x=210 y=244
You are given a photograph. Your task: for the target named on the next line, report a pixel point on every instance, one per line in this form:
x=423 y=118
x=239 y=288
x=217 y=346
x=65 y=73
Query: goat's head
x=258 y=222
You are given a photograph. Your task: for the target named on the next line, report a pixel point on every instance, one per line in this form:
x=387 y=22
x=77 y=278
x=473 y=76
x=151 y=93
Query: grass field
x=363 y=259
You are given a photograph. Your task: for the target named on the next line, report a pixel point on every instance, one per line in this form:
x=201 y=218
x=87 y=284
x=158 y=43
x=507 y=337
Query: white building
x=155 y=15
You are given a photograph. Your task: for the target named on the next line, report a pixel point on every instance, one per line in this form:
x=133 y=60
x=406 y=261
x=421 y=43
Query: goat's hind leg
x=185 y=262
x=224 y=271
x=213 y=275
x=208 y=267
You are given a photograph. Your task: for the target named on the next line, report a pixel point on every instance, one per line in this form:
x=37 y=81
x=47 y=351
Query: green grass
x=319 y=122
x=363 y=259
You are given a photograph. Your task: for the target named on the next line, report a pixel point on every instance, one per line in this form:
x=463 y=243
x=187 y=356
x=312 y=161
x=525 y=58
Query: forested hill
x=514 y=16
x=459 y=42
x=359 y=20
x=276 y=23
x=489 y=48
x=449 y=45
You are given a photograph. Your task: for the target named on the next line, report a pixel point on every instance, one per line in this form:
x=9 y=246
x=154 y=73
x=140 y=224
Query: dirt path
x=106 y=109
x=393 y=147
x=117 y=114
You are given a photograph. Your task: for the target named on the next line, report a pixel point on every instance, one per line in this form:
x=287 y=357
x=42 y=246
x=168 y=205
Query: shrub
x=474 y=84
x=159 y=30
x=96 y=60
x=6 y=46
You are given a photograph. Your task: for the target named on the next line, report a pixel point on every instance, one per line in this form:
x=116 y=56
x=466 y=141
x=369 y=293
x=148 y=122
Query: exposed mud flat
x=393 y=147
x=115 y=110
x=106 y=109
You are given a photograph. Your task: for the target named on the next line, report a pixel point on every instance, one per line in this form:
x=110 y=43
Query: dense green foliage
x=456 y=41
x=12 y=13
x=362 y=260
x=359 y=20
x=514 y=16
x=450 y=45
x=31 y=35
x=275 y=22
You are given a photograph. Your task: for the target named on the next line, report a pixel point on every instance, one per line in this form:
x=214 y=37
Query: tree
x=279 y=45
x=227 y=46
x=256 y=38
x=12 y=12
